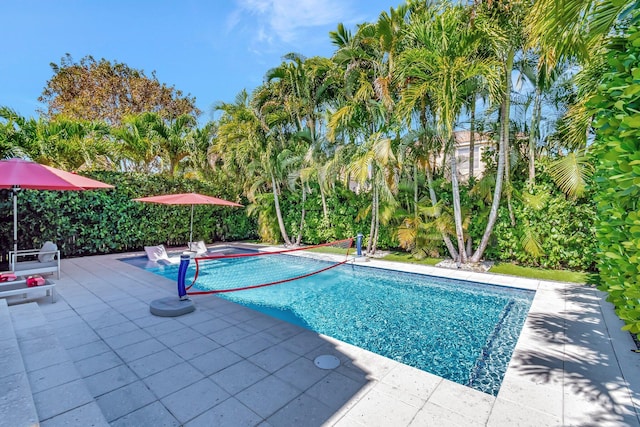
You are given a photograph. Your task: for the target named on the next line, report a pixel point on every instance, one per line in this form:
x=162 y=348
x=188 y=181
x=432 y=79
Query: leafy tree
x=104 y=91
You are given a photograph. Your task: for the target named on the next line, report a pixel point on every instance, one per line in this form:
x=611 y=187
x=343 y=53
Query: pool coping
x=525 y=291
x=571 y=364
x=542 y=371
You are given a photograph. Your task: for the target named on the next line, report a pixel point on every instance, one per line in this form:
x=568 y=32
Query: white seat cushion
x=49 y=247
x=156 y=253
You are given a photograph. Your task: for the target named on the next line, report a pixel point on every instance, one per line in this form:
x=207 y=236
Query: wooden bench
x=19 y=287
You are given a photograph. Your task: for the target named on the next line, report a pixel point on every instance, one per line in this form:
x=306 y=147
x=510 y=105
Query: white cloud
x=286 y=20
x=232 y=20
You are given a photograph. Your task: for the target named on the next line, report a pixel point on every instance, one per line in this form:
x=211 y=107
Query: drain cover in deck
x=327 y=361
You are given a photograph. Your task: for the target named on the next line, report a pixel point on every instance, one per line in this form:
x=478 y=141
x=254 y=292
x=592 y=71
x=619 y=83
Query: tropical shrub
x=618 y=179
x=551 y=231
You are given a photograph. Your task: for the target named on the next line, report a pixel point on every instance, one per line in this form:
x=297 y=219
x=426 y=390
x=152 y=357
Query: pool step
x=59 y=392
x=17 y=407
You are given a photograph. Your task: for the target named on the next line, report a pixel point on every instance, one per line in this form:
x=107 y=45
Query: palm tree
x=14 y=141
x=80 y=145
x=580 y=32
x=137 y=150
x=304 y=86
x=474 y=91
x=172 y=138
x=366 y=113
x=203 y=156
x=251 y=136
x=232 y=149
x=542 y=79
x=443 y=57
x=572 y=30
x=35 y=137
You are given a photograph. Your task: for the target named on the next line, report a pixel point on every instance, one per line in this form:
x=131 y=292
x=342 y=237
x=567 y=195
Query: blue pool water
x=462 y=331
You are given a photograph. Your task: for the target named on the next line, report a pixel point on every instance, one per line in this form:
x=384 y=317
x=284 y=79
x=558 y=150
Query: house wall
x=481 y=143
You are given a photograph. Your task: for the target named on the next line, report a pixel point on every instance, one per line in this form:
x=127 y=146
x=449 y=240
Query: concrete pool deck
x=225 y=364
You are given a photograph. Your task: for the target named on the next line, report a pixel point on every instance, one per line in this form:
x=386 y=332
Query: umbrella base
x=171 y=307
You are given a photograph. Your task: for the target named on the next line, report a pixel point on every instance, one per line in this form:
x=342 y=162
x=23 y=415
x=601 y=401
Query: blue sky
x=210 y=49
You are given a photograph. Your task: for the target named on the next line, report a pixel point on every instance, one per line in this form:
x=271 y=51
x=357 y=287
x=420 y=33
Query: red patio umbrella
x=23 y=174
x=187 y=199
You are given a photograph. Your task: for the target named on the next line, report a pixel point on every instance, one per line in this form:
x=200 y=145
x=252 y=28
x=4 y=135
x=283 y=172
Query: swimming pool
x=462 y=331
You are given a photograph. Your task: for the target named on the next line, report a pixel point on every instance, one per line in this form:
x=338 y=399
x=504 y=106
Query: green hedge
x=563 y=228
x=618 y=179
x=108 y=221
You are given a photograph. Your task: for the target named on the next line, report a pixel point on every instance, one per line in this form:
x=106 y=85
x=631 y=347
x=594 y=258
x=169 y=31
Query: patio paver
x=571 y=366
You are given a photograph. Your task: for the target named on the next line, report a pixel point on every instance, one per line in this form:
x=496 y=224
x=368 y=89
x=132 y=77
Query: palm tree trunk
x=323 y=197
x=493 y=213
x=444 y=159
x=434 y=201
x=505 y=129
x=276 y=201
x=472 y=141
x=374 y=244
x=534 y=135
x=173 y=166
x=415 y=192
x=457 y=210
x=304 y=199
x=374 y=212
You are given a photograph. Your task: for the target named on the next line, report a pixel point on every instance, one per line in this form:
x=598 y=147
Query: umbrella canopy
x=187 y=199
x=34 y=176
x=23 y=174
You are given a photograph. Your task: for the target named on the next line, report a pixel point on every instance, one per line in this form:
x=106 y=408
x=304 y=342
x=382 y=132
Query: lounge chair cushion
x=156 y=253
x=198 y=247
x=47 y=252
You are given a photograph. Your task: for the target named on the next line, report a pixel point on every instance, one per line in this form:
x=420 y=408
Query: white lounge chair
x=47 y=260
x=198 y=247
x=159 y=254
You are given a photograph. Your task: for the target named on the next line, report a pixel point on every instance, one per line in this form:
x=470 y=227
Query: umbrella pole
x=15 y=221
x=191 y=228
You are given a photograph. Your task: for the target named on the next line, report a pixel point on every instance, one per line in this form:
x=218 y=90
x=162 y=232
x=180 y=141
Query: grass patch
x=500 y=268
x=333 y=250
x=541 y=273
x=406 y=257
x=506 y=268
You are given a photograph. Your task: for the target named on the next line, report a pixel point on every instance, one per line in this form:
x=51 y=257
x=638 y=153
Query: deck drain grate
x=327 y=361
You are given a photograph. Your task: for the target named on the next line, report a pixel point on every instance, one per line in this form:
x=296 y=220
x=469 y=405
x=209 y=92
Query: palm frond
x=531 y=244
x=483 y=188
x=571 y=173
x=363 y=213
x=535 y=201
